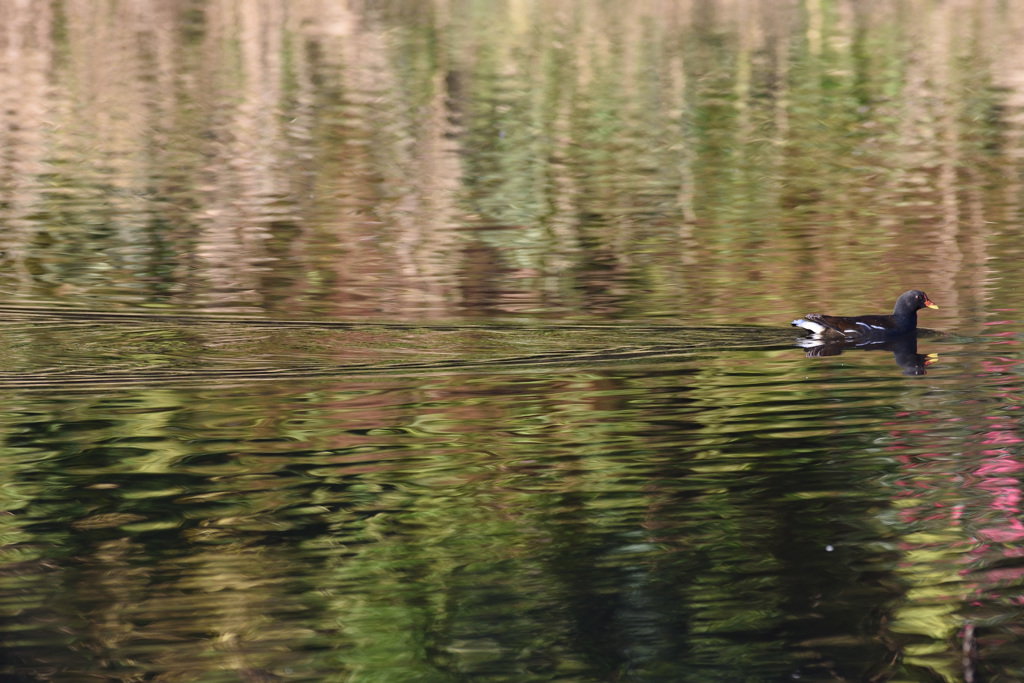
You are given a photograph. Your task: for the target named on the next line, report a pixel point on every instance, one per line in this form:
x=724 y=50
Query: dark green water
x=230 y=501
x=412 y=341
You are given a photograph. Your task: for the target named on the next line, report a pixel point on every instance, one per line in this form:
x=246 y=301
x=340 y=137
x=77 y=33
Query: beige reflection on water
x=439 y=158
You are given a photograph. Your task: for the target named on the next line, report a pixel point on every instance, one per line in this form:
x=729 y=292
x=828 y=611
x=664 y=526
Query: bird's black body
x=902 y=321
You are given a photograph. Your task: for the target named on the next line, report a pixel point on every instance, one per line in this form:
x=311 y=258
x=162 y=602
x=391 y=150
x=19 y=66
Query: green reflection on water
x=574 y=524
x=223 y=499
x=550 y=159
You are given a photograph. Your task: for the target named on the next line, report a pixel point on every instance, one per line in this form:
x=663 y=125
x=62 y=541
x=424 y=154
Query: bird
x=870 y=327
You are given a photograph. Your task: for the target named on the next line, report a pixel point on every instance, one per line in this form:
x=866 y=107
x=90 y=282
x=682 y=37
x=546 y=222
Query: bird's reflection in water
x=904 y=350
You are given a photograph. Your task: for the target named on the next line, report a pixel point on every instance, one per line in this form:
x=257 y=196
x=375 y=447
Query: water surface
x=450 y=342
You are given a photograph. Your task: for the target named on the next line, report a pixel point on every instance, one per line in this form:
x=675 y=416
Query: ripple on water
x=744 y=503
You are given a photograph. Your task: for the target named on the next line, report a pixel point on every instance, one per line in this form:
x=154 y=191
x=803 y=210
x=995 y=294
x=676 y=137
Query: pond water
x=449 y=341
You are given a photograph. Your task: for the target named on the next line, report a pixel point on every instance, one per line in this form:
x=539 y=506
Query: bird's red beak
x=930 y=304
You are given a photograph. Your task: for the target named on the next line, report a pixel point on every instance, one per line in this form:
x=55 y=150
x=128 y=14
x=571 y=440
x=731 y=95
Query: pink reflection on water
x=963 y=508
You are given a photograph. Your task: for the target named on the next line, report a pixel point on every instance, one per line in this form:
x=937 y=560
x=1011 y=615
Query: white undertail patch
x=816 y=328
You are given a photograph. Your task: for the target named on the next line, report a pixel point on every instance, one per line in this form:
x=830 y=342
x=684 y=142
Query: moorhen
x=902 y=321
